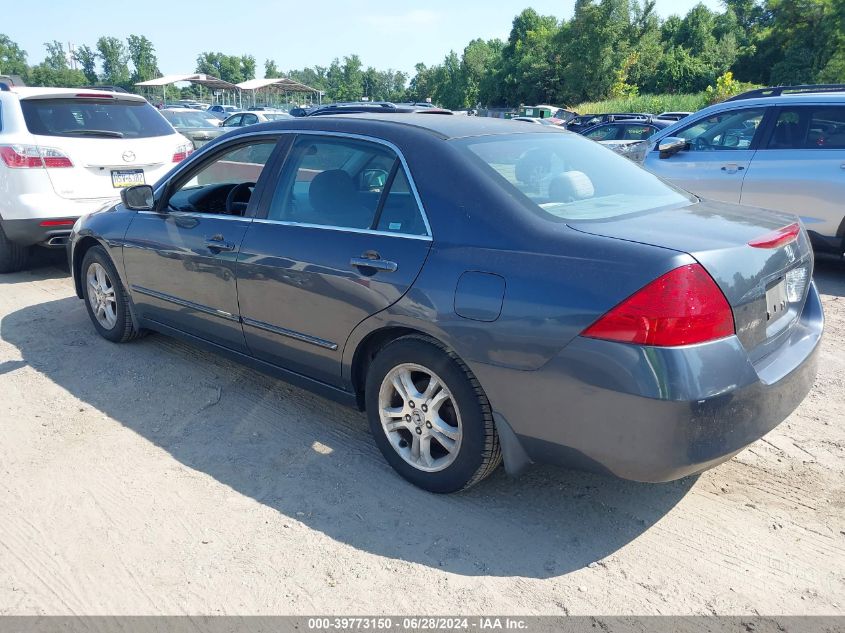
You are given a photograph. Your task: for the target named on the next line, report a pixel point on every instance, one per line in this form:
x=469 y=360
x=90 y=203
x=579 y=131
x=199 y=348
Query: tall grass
x=652 y=104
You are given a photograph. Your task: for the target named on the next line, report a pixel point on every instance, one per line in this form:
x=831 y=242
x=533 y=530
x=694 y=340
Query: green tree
x=54 y=70
x=86 y=57
x=12 y=57
x=114 y=59
x=247 y=67
x=271 y=71
x=142 y=54
x=480 y=59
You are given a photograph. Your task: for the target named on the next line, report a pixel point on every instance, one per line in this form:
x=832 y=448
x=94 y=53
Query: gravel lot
x=156 y=478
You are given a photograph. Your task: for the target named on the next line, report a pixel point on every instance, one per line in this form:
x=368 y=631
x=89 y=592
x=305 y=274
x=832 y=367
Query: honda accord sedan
x=484 y=291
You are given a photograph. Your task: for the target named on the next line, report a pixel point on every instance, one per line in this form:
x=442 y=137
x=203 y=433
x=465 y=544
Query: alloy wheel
x=101 y=296
x=420 y=418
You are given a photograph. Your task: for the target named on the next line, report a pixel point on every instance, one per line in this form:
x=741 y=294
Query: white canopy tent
x=277 y=85
x=207 y=81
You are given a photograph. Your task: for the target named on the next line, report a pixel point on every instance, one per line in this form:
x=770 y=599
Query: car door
x=719 y=150
x=180 y=259
x=342 y=236
x=801 y=168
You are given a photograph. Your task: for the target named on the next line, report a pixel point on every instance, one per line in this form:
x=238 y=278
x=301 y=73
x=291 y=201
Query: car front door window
x=732 y=130
x=224 y=185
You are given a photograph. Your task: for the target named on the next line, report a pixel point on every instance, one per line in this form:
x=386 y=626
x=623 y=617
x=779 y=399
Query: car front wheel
x=430 y=417
x=106 y=298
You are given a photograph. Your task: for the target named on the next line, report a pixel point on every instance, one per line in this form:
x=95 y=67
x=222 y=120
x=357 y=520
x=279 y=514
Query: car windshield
x=568 y=177
x=187 y=119
x=105 y=118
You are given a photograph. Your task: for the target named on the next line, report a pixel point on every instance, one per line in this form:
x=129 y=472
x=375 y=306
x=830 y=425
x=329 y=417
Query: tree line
x=608 y=48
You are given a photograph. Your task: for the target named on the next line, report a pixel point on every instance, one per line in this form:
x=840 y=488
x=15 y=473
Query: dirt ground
x=154 y=478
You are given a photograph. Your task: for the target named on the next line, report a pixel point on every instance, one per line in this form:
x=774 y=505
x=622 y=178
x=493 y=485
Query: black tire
x=123 y=329
x=12 y=256
x=479 y=453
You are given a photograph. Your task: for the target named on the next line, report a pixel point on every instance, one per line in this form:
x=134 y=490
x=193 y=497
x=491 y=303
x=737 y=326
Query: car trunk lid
x=766 y=285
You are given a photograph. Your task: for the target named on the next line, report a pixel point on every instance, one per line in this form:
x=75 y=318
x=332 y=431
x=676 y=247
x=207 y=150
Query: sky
x=295 y=34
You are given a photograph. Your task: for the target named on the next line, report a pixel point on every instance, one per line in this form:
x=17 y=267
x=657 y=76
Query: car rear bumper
x=654 y=414
x=39 y=231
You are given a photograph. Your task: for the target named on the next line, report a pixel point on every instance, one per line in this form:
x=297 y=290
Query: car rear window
x=568 y=177
x=105 y=118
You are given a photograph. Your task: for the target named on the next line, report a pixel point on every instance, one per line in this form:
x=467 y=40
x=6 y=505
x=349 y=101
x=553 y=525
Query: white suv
x=65 y=152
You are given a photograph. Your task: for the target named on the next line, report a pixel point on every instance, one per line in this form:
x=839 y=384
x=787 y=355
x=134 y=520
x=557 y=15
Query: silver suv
x=778 y=148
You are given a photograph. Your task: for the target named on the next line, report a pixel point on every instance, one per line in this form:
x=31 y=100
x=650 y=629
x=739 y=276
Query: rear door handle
x=374 y=262
x=218 y=244
x=732 y=169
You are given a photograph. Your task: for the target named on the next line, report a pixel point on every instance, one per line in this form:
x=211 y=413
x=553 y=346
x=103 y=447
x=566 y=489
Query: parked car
x=242 y=119
x=621 y=325
x=627 y=138
x=222 y=111
x=534 y=119
x=777 y=148
x=586 y=121
x=673 y=116
x=65 y=152
x=194 y=125
x=373 y=107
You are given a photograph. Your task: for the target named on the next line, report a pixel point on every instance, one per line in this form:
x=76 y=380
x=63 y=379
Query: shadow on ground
x=829 y=274
x=42 y=263
x=315 y=461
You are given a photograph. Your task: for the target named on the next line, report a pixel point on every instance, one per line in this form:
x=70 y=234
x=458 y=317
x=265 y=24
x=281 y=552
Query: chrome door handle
x=375 y=264
x=732 y=169
x=218 y=244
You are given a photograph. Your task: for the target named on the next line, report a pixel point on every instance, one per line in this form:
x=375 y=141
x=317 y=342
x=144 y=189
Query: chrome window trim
x=191 y=214
x=345 y=229
x=363 y=137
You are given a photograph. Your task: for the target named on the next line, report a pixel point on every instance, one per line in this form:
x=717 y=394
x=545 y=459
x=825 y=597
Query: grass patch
x=652 y=104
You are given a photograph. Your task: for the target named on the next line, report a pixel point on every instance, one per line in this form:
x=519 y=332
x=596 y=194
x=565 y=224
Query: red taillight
x=50 y=223
x=182 y=152
x=33 y=157
x=776 y=238
x=178 y=157
x=682 y=307
x=93 y=95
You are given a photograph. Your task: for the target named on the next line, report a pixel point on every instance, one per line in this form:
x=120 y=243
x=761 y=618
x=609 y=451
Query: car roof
x=443 y=126
x=29 y=92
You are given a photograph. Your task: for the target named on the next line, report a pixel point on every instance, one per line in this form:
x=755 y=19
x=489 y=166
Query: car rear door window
x=637 y=132
x=731 y=130
x=90 y=117
x=346 y=183
x=809 y=127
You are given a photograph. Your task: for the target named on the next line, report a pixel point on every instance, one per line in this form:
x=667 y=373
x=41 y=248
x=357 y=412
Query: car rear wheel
x=430 y=417
x=12 y=255
x=105 y=298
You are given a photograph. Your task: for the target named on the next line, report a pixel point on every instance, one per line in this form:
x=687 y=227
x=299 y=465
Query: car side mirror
x=671 y=145
x=138 y=198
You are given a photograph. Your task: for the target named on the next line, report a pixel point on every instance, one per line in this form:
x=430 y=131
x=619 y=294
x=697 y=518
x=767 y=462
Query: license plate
x=777 y=303
x=127 y=178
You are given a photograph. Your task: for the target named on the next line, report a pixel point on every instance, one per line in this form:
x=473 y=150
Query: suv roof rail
x=776 y=91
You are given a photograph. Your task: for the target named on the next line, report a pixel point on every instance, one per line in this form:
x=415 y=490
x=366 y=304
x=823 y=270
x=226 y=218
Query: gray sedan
x=484 y=290
x=193 y=124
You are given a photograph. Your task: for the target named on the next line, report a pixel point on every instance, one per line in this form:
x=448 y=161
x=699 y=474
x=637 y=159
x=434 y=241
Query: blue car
x=484 y=291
